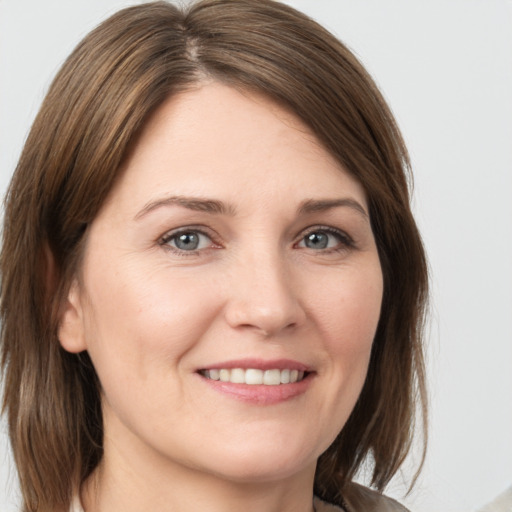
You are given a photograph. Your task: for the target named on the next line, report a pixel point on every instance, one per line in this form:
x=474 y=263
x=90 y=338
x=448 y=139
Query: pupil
x=317 y=241
x=187 y=241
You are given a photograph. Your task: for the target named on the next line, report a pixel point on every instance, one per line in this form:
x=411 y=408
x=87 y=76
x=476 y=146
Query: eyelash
x=173 y=235
x=345 y=241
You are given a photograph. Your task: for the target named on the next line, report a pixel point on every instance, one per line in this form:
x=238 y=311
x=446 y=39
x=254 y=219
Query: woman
x=209 y=242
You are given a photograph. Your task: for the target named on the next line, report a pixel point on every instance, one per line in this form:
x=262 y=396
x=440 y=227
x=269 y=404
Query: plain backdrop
x=445 y=66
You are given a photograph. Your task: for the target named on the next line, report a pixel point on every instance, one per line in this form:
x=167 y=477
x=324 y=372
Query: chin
x=259 y=471
x=262 y=462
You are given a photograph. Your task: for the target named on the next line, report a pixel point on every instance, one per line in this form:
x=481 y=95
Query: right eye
x=326 y=239
x=188 y=240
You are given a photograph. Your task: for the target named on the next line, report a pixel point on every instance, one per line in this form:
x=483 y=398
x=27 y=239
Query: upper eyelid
x=203 y=230
x=329 y=229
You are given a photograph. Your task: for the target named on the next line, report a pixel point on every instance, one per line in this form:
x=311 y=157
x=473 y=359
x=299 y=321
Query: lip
x=260 y=394
x=259 y=364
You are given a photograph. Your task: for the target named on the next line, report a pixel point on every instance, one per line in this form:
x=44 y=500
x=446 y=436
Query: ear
x=71 y=330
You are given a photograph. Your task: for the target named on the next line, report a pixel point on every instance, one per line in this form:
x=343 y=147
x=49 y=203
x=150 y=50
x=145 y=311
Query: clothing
x=357 y=499
x=76 y=506
x=503 y=503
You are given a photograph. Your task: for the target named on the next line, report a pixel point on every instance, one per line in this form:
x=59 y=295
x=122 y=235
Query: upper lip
x=259 y=364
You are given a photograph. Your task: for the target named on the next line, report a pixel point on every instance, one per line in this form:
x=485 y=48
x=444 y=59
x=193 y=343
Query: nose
x=262 y=296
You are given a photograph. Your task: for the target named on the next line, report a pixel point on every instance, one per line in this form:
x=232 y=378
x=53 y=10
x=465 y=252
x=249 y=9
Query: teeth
x=214 y=374
x=272 y=377
x=237 y=376
x=253 y=376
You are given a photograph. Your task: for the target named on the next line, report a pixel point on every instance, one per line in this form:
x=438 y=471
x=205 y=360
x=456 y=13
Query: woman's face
x=234 y=255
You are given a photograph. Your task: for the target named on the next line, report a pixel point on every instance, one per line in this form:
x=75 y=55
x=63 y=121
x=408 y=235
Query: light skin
x=231 y=238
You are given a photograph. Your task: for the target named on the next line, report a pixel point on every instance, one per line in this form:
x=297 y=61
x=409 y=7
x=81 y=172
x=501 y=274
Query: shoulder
x=357 y=498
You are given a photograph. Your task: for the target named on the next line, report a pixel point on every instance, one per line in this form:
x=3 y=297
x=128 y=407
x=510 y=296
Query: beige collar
x=320 y=506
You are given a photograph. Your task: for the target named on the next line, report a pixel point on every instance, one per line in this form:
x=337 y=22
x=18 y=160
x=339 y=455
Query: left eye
x=188 y=240
x=323 y=239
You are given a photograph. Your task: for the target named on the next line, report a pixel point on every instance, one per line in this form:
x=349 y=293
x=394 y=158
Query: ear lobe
x=71 y=332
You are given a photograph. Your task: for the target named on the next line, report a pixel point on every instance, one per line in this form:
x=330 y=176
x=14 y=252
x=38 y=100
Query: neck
x=129 y=483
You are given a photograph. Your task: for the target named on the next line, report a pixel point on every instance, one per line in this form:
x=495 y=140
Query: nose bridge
x=262 y=292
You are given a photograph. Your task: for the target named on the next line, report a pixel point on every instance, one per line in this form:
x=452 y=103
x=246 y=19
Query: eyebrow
x=192 y=203
x=218 y=207
x=313 y=205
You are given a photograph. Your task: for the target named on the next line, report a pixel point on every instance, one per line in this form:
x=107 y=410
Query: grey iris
x=187 y=241
x=317 y=240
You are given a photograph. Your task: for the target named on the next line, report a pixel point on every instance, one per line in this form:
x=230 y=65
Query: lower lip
x=261 y=394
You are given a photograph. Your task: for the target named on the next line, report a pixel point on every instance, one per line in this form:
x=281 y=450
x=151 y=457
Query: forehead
x=217 y=141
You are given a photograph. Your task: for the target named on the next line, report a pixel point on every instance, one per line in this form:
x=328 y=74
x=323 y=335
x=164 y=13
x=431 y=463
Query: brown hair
x=99 y=100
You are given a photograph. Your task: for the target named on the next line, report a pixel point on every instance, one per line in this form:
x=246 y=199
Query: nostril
x=267 y=331
x=266 y=306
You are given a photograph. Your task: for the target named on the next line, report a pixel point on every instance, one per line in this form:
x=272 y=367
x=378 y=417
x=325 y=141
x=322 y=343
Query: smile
x=255 y=376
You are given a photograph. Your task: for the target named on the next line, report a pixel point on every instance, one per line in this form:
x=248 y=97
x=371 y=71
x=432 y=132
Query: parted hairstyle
x=97 y=104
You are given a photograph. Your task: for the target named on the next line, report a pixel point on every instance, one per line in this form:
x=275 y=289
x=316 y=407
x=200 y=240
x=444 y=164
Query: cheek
x=346 y=311
x=138 y=321
x=350 y=309
x=348 y=316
